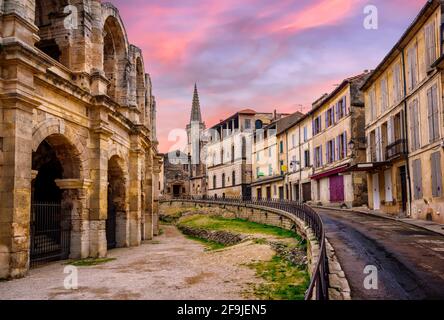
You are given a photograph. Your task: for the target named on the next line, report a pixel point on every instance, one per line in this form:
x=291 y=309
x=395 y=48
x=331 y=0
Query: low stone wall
x=223 y=237
x=278 y=218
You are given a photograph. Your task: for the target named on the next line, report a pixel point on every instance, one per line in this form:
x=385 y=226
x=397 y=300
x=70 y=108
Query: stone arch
x=116 y=63
x=140 y=84
x=57 y=127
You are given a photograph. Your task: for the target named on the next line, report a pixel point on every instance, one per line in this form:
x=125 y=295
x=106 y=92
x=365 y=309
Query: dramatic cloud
x=260 y=54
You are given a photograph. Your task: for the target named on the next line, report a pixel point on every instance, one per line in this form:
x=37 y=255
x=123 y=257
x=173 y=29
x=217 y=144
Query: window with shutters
x=305 y=134
x=412 y=66
x=430 y=42
x=415 y=142
x=341 y=108
x=307 y=158
x=417 y=179
x=341 y=146
x=331 y=151
x=433 y=113
x=397 y=86
x=318 y=157
x=317 y=125
x=384 y=94
x=436 y=174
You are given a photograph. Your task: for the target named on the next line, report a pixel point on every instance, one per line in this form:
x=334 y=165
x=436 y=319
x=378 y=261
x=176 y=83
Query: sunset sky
x=259 y=54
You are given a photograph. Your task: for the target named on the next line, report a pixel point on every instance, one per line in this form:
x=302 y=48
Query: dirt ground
x=169 y=267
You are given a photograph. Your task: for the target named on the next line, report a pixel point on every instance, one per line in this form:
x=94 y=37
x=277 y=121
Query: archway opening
x=49 y=18
x=116 y=203
x=50 y=225
x=114 y=54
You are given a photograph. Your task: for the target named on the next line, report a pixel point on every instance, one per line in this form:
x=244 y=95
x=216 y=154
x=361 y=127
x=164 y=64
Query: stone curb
x=339 y=288
x=382 y=217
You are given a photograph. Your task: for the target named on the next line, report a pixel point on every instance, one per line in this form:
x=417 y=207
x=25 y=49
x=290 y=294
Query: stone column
x=99 y=191
x=148 y=226
x=155 y=188
x=135 y=191
x=75 y=193
x=15 y=188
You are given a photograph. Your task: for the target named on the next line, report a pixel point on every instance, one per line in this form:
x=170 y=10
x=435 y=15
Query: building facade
x=229 y=166
x=176 y=175
x=404 y=122
x=300 y=163
x=339 y=143
x=270 y=159
x=78 y=151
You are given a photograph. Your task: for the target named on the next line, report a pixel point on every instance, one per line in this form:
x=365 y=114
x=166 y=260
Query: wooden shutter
x=435 y=112
x=430 y=114
x=378 y=143
x=344 y=146
x=436 y=174
x=320 y=155
x=417 y=179
x=390 y=131
x=369 y=148
x=388 y=185
x=333 y=150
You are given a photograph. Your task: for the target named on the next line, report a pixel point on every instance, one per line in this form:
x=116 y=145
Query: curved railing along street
x=318 y=288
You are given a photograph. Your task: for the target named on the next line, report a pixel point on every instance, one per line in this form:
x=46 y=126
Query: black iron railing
x=318 y=288
x=396 y=149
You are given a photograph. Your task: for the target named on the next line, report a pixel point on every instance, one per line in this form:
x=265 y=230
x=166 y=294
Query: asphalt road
x=409 y=260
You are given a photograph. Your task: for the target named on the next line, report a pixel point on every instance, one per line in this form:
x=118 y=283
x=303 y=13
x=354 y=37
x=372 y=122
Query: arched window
x=214 y=182
x=223 y=180
x=233 y=178
x=115 y=64
x=140 y=85
x=49 y=15
x=221 y=155
x=258 y=124
x=233 y=155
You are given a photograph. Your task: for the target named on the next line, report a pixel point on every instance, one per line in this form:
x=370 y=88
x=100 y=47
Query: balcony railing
x=318 y=288
x=396 y=149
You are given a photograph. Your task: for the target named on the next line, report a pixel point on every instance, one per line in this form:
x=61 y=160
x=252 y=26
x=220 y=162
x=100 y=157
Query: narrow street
x=410 y=260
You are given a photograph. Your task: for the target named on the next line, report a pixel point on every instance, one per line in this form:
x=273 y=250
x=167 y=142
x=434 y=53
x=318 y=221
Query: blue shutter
x=345 y=144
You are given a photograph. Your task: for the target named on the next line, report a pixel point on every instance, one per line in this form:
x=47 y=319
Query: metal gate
x=50 y=233
x=111 y=225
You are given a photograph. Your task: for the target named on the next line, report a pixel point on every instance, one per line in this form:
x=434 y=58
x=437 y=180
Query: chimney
x=274 y=115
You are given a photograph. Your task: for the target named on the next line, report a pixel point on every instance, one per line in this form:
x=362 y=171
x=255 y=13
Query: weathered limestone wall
x=67 y=104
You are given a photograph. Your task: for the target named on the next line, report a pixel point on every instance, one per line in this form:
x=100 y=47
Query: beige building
x=339 y=143
x=404 y=127
x=299 y=159
x=270 y=161
x=78 y=151
x=229 y=166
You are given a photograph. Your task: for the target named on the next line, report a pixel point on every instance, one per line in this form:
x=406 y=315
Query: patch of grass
x=284 y=281
x=210 y=245
x=260 y=241
x=236 y=225
x=89 y=262
x=161 y=231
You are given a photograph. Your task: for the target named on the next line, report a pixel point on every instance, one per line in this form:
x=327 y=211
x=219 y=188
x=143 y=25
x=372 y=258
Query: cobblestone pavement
x=410 y=260
x=169 y=267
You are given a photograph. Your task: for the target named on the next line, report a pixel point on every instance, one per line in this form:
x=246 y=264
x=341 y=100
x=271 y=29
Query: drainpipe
x=409 y=189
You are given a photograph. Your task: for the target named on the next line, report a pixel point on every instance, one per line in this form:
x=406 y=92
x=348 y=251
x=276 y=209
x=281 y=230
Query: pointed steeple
x=195 y=109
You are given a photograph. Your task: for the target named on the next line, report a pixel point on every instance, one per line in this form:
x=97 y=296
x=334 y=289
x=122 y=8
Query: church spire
x=195 y=110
